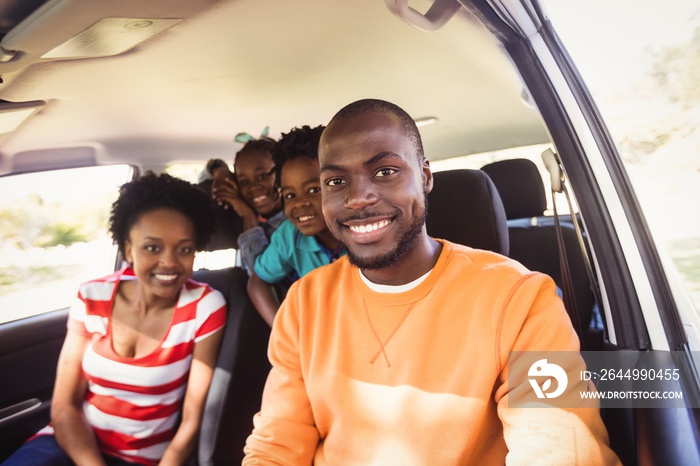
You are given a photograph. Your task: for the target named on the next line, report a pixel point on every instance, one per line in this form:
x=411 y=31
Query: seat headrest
x=464 y=207
x=520 y=185
x=228 y=224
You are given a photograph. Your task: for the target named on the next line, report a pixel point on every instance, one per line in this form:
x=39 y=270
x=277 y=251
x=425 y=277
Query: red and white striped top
x=133 y=404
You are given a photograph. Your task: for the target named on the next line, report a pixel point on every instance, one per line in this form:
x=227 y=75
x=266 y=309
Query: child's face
x=255 y=183
x=301 y=194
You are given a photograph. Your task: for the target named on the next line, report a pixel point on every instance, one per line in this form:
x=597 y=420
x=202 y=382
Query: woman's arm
x=73 y=432
x=264 y=298
x=204 y=359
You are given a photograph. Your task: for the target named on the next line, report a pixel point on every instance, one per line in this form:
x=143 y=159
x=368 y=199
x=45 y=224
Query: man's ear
x=427 y=175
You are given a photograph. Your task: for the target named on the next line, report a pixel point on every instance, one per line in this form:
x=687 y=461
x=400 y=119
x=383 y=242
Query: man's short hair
x=363 y=106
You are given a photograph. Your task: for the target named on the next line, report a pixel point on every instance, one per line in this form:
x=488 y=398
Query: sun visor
x=54 y=159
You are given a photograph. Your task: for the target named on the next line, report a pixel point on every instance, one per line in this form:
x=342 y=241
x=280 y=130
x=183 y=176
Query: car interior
x=163 y=85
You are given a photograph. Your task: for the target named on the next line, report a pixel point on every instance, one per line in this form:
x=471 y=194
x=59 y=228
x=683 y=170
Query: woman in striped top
x=142 y=343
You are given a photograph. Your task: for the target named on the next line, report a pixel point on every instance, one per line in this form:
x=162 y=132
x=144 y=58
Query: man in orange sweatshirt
x=397 y=353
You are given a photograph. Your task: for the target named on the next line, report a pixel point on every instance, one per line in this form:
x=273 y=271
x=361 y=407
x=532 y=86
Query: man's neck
x=417 y=263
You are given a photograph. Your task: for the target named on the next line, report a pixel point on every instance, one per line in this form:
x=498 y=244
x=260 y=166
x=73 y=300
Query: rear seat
x=533 y=238
x=241 y=370
x=228 y=224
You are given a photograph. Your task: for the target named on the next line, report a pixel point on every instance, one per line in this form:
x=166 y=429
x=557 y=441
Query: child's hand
x=227 y=195
x=220 y=175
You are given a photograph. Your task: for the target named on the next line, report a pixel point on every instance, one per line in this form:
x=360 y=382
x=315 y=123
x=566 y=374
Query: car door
x=54 y=236
x=644 y=309
x=29 y=351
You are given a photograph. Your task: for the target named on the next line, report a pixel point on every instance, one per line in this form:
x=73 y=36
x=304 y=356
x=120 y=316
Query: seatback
x=519 y=183
x=533 y=236
x=228 y=223
x=239 y=377
x=464 y=207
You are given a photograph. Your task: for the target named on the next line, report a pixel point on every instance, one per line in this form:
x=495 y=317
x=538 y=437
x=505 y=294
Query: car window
x=641 y=67
x=54 y=235
x=193 y=172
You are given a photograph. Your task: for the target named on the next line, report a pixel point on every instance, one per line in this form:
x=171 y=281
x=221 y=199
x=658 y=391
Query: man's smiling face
x=374 y=188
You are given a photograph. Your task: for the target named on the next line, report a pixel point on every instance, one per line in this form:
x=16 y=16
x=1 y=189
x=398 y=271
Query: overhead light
x=110 y=36
x=13 y=114
x=425 y=121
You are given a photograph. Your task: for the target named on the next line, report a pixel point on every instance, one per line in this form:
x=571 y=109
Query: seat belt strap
x=592 y=279
x=567 y=283
x=556 y=173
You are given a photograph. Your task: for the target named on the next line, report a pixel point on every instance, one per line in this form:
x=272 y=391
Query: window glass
x=641 y=62
x=194 y=172
x=54 y=235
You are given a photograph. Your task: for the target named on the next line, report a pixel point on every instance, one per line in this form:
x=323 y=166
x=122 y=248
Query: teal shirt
x=290 y=252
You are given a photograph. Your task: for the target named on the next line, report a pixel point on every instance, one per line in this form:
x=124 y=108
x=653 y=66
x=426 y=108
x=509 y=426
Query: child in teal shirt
x=303 y=241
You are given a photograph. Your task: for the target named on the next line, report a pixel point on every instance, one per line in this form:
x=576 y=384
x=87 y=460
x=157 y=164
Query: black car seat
x=228 y=224
x=239 y=377
x=242 y=367
x=520 y=185
x=533 y=238
x=464 y=207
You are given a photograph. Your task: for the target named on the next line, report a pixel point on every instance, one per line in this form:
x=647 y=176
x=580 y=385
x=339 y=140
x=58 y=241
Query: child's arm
x=264 y=297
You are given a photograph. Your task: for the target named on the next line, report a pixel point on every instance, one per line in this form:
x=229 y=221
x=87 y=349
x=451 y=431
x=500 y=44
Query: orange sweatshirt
x=419 y=377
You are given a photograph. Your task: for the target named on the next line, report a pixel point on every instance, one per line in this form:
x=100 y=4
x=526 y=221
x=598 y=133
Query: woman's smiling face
x=160 y=249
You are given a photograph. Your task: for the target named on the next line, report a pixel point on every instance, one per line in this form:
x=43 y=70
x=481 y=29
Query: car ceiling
x=240 y=65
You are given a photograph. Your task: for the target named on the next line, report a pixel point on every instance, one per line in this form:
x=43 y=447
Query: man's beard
x=404 y=246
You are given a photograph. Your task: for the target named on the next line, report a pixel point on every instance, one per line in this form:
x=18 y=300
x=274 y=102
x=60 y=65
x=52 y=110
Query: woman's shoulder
x=102 y=288
x=201 y=292
x=203 y=304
